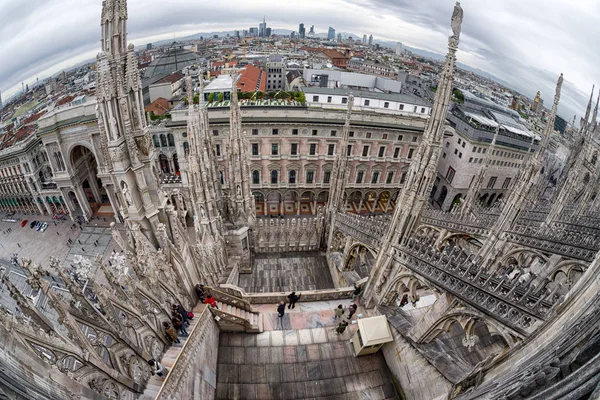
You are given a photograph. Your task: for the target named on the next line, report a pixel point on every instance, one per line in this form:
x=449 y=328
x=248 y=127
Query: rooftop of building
x=174 y=59
x=399 y=97
x=172 y=78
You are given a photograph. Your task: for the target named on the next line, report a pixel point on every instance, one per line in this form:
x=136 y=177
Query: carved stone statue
x=127 y=194
x=457 y=17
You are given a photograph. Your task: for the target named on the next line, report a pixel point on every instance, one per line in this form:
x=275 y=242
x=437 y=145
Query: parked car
x=44 y=227
x=23 y=223
x=32 y=224
x=38 y=226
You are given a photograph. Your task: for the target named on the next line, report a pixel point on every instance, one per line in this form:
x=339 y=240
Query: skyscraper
x=398 y=48
x=331 y=34
x=262 y=28
x=301 y=31
x=312 y=30
x=268 y=32
x=370 y=40
x=339 y=38
x=365 y=40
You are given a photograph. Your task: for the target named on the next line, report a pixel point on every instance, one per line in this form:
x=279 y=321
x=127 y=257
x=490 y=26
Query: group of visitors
x=293 y=299
x=204 y=296
x=180 y=319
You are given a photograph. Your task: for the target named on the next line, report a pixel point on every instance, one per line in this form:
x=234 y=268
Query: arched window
x=171 y=139
x=163 y=140
x=186 y=148
x=292 y=176
x=255 y=177
x=222 y=177
x=176 y=163
x=156 y=141
x=274 y=176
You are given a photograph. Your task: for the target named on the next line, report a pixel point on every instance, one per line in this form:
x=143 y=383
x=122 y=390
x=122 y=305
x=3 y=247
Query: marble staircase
x=234 y=313
x=170 y=357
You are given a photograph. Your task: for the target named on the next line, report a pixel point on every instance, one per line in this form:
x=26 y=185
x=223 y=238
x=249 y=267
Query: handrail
x=176 y=373
x=230 y=299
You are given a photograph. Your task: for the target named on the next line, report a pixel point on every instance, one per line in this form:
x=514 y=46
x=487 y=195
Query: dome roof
x=174 y=59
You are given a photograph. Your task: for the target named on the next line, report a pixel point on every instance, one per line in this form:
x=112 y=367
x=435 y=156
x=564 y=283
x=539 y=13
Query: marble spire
x=472 y=194
x=422 y=171
x=207 y=216
x=241 y=202
x=339 y=174
x=526 y=181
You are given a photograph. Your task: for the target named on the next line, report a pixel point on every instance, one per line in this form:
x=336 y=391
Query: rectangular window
x=463 y=145
x=410 y=152
x=359 y=176
x=294 y=149
x=386 y=105
x=333 y=133
x=295 y=132
x=255 y=132
x=329 y=99
x=274 y=175
x=215 y=132
x=492 y=182
x=344 y=100
x=368 y=135
x=315 y=132
x=218 y=151
x=351 y=134
x=381 y=151
x=484 y=150
x=310 y=176
x=330 y=149
x=384 y=136
x=396 y=152
x=459 y=140
x=422 y=110
x=403 y=177
x=455 y=151
x=367 y=102
x=275 y=131
x=316 y=98
x=474 y=149
x=349 y=150
x=313 y=149
x=459 y=155
x=390 y=177
x=254 y=149
x=450 y=174
x=401 y=107
x=415 y=109
x=444 y=155
x=415 y=138
x=375 y=177
x=447 y=144
x=326 y=176
x=400 y=137
x=274 y=149
x=470 y=159
x=365 y=152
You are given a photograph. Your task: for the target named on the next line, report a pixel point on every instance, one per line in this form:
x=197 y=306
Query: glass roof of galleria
x=175 y=59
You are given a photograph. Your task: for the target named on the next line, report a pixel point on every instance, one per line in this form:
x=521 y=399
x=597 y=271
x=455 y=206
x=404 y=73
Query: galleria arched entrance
x=88 y=196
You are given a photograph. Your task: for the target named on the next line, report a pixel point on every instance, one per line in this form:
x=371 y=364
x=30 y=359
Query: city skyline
x=526 y=56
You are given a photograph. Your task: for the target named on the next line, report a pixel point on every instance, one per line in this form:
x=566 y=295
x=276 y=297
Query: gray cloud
x=527 y=44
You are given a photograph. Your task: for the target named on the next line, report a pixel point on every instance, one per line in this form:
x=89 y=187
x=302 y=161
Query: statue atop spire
x=457 y=18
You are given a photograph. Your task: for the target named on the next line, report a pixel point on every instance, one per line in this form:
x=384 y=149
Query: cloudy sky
x=526 y=43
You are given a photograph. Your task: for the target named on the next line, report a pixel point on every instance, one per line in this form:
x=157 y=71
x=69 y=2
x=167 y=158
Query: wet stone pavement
x=283 y=272
x=300 y=357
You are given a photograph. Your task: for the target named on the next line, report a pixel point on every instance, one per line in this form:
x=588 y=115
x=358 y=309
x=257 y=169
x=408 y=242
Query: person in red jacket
x=211 y=300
